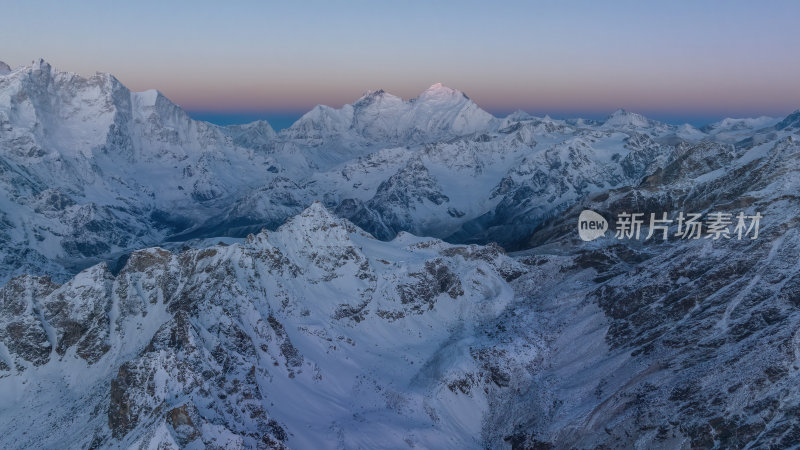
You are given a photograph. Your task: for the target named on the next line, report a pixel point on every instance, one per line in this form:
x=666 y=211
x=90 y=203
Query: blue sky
x=692 y=60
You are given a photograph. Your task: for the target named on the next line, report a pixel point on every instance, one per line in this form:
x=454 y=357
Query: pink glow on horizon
x=558 y=96
x=713 y=57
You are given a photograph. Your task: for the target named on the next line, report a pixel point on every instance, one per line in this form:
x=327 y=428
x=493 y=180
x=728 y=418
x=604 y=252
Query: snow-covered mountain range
x=92 y=171
x=302 y=336
x=182 y=284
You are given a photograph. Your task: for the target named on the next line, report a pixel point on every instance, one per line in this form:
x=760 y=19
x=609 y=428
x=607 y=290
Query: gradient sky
x=677 y=60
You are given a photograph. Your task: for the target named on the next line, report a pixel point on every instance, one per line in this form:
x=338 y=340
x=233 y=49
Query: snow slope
x=316 y=335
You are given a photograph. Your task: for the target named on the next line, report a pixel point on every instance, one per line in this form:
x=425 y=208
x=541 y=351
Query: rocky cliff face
x=676 y=344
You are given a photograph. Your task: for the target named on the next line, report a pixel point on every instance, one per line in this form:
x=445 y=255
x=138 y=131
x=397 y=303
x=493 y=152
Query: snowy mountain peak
x=439 y=91
x=516 y=116
x=370 y=94
x=439 y=87
x=623 y=113
x=4 y=68
x=380 y=99
x=320 y=122
x=439 y=112
x=256 y=135
x=792 y=120
x=41 y=64
x=314 y=219
x=623 y=118
x=519 y=115
x=730 y=123
x=316 y=211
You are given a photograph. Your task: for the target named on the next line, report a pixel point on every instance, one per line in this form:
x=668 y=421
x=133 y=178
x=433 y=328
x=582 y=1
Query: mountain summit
x=622 y=118
x=379 y=116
